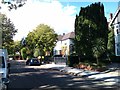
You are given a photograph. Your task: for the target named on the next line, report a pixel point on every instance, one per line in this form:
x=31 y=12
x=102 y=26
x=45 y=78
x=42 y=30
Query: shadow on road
x=37 y=79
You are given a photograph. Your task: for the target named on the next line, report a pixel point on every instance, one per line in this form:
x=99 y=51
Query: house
x=64 y=45
x=115 y=23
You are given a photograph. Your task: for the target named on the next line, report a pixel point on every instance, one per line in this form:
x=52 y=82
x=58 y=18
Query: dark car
x=33 y=61
x=57 y=55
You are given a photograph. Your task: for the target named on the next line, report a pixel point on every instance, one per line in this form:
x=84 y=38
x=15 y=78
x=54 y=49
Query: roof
x=114 y=17
x=66 y=36
x=60 y=37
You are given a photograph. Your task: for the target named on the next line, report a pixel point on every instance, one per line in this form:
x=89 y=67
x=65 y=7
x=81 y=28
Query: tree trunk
x=97 y=60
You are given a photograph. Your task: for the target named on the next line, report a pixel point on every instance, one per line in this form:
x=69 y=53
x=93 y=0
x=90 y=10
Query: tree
x=36 y=52
x=13 y=4
x=85 y=34
x=111 y=42
x=23 y=53
x=43 y=37
x=98 y=49
x=15 y=47
x=111 y=45
x=7 y=31
x=91 y=31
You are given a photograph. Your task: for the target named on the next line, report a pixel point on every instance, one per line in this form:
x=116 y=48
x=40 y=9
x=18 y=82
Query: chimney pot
x=63 y=33
x=111 y=16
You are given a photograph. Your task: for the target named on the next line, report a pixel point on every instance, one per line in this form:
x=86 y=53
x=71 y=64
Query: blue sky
x=58 y=14
x=109 y=7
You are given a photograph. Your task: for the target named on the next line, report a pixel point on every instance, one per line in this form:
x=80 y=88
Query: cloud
x=60 y=18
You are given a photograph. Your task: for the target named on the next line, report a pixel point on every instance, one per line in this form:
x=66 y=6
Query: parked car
x=57 y=55
x=33 y=61
x=2 y=85
x=4 y=64
x=3 y=82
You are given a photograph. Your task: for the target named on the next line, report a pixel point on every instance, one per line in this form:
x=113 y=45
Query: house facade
x=64 y=45
x=115 y=23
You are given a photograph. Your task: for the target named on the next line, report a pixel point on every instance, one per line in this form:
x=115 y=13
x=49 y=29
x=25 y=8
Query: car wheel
x=5 y=87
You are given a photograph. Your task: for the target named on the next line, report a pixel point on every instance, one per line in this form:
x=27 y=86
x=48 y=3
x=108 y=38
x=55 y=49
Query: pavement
x=109 y=77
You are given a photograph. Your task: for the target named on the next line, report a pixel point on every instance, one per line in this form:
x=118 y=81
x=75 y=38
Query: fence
x=60 y=60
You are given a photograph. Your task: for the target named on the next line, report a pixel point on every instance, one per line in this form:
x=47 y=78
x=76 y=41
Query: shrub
x=23 y=53
x=72 y=60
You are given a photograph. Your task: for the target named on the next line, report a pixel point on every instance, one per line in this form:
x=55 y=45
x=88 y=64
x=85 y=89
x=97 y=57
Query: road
x=36 y=78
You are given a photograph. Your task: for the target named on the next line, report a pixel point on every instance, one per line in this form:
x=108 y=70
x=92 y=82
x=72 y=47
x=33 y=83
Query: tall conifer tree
x=91 y=31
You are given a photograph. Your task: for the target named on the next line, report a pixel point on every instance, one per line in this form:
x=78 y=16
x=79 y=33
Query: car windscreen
x=35 y=60
x=2 y=63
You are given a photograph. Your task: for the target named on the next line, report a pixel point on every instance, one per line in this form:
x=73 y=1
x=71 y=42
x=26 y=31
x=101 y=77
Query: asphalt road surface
x=37 y=78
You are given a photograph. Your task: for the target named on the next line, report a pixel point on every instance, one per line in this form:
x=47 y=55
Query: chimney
x=111 y=16
x=118 y=4
x=63 y=34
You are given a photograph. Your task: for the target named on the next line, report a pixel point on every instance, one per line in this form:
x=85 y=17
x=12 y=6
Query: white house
x=64 y=44
x=115 y=23
x=57 y=48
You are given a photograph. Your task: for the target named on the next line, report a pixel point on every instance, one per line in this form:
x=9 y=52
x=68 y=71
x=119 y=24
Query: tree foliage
x=23 y=53
x=85 y=35
x=91 y=31
x=111 y=42
x=13 y=4
x=43 y=37
x=7 y=31
x=36 y=52
x=99 y=48
x=15 y=47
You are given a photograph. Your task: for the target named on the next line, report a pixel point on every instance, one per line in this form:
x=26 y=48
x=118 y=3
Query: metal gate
x=60 y=60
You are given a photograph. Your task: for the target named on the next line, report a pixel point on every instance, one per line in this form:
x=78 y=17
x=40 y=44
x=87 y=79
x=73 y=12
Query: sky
x=58 y=14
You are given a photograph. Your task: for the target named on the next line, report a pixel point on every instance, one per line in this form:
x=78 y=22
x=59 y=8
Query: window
x=116 y=26
x=2 y=63
x=118 y=49
x=117 y=31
